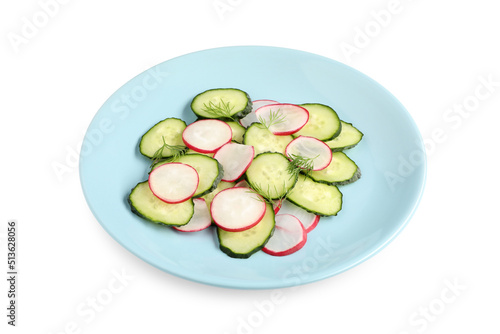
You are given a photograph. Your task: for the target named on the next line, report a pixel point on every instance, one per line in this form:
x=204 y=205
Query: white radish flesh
x=283 y=118
x=237 y=209
x=289 y=236
x=308 y=220
x=173 y=182
x=310 y=148
x=251 y=118
x=235 y=160
x=207 y=135
x=201 y=218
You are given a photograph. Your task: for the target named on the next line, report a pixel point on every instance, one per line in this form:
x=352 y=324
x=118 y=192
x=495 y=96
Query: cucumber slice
x=169 y=130
x=238 y=131
x=264 y=140
x=222 y=103
x=269 y=175
x=318 y=198
x=340 y=171
x=210 y=171
x=146 y=205
x=324 y=123
x=348 y=138
x=245 y=243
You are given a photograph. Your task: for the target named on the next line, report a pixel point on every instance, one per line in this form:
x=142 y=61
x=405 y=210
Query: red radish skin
x=277 y=205
x=235 y=159
x=159 y=179
x=191 y=135
x=295 y=247
x=251 y=118
x=252 y=218
x=201 y=218
x=313 y=225
x=295 y=117
x=308 y=220
x=320 y=152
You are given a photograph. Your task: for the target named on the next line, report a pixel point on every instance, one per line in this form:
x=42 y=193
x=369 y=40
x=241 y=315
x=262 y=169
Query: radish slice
x=283 y=118
x=242 y=184
x=308 y=220
x=173 y=182
x=235 y=160
x=310 y=148
x=207 y=135
x=201 y=218
x=237 y=209
x=289 y=236
x=276 y=202
x=251 y=118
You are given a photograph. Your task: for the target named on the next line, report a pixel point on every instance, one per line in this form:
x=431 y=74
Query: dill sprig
x=299 y=164
x=265 y=195
x=275 y=117
x=220 y=110
x=176 y=150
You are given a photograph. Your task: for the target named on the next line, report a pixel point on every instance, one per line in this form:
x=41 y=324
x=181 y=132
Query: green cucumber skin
x=354 y=178
x=264 y=195
x=347 y=147
x=319 y=213
x=216 y=181
x=340 y=149
x=337 y=133
x=232 y=254
x=316 y=212
x=140 y=150
x=356 y=175
x=236 y=116
x=136 y=212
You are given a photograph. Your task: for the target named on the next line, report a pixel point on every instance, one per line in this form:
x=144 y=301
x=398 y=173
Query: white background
x=429 y=54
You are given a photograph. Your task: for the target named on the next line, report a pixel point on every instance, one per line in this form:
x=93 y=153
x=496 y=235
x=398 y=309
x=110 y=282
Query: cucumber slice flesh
x=245 y=243
x=341 y=171
x=222 y=103
x=318 y=198
x=169 y=130
x=264 y=140
x=238 y=131
x=269 y=175
x=146 y=205
x=323 y=124
x=348 y=138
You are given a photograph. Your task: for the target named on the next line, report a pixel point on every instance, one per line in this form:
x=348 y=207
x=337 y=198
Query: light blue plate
x=376 y=208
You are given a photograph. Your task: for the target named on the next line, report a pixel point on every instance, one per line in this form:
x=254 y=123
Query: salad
x=260 y=172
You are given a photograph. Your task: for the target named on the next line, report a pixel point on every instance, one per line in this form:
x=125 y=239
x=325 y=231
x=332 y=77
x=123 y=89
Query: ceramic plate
x=375 y=209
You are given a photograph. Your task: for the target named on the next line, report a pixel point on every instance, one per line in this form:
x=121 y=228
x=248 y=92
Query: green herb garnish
x=176 y=150
x=300 y=164
x=275 y=117
x=221 y=110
